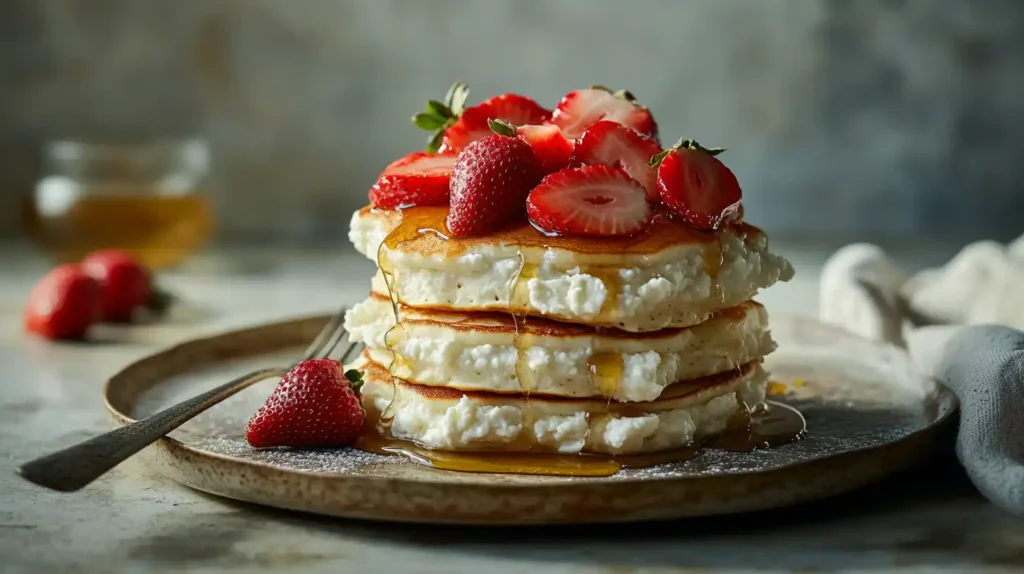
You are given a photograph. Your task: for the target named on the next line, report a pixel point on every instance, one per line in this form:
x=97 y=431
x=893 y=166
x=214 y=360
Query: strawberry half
x=313 y=405
x=472 y=124
x=583 y=108
x=596 y=200
x=490 y=182
x=418 y=178
x=552 y=149
x=615 y=145
x=697 y=186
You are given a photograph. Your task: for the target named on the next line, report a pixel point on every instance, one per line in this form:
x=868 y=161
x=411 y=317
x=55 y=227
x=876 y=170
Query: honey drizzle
x=776 y=425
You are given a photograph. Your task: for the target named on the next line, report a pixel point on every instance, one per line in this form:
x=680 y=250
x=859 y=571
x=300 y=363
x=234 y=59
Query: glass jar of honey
x=149 y=199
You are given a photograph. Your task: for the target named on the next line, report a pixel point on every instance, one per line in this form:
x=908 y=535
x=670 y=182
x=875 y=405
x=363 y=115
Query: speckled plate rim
x=391 y=498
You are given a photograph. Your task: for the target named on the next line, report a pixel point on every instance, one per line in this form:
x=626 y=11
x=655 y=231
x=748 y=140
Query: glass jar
x=149 y=199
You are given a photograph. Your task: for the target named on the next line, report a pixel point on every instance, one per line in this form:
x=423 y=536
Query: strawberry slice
x=615 y=145
x=490 y=182
x=315 y=404
x=697 y=186
x=552 y=149
x=472 y=124
x=418 y=178
x=596 y=201
x=583 y=108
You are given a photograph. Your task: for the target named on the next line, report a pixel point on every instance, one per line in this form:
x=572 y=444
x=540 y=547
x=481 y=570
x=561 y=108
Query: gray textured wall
x=897 y=117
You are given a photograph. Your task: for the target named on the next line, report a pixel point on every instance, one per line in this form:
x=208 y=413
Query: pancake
x=489 y=352
x=671 y=276
x=447 y=419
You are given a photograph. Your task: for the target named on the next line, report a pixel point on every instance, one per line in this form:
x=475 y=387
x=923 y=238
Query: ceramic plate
x=868 y=414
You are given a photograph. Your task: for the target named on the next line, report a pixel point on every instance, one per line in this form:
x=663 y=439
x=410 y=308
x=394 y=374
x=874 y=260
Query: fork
x=71 y=469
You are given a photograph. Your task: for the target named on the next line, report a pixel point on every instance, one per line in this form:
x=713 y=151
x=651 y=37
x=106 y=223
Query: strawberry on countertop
x=615 y=145
x=697 y=186
x=418 y=178
x=454 y=126
x=64 y=304
x=597 y=201
x=490 y=182
x=125 y=283
x=583 y=108
x=314 y=405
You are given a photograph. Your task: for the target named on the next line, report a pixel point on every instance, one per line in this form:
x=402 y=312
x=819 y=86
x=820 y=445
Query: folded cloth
x=956 y=323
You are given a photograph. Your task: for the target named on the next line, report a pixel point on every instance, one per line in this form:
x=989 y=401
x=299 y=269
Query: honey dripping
x=713 y=260
x=772 y=426
x=408 y=228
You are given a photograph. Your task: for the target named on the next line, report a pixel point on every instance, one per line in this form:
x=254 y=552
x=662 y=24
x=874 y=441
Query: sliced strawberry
x=591 y=201
x=697 y=186
x=581 y=109
x=552 y=149
x=472 y=124
x=615 y=145
x=419 y=178
x=315 y=404
x=490 y=182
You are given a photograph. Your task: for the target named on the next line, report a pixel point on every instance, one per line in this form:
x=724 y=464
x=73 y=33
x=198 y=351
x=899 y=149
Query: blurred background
x=870 y=119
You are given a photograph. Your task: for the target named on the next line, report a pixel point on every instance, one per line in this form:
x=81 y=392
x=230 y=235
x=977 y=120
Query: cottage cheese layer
x=671 y=277
x=443 y=419
x=489 y=352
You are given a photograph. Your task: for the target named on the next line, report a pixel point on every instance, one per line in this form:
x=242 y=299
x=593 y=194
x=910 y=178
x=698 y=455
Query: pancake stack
x=519 y=341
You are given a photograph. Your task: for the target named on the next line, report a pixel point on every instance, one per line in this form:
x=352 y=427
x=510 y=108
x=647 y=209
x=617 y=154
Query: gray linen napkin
x=981 y=361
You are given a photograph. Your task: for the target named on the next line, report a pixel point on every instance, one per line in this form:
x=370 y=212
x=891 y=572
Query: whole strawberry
x=696 y=186
x=314 y=405
x=63 y=305
x=124 y=283
x=490 y=182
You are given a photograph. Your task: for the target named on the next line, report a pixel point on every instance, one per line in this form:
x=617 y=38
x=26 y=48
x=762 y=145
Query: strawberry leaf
x=355 y=379
x=438 y=109
x=501 y=128
x=434 y=142
x=625 y=95
x=456 y=98
x=429 y=122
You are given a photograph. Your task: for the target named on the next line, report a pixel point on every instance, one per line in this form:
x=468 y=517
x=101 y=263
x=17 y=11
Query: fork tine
x=348 y=351
x=325 y=334
x=336 y=338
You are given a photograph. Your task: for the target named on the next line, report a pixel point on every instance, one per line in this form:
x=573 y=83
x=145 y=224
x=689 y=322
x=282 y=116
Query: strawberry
x=472 y=125
x=615 y=145
x=581 y=109
x=418 y=178
x=64 y=304
x=124 y=283
x=696 y=185
x=552 y=149
x=596 y=200
x=315 y=404
x=490 y=182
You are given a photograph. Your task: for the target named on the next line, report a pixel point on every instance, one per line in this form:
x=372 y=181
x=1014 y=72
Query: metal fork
x=70 y=469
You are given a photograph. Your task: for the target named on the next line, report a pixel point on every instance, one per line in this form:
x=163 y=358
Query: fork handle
x=70 y=469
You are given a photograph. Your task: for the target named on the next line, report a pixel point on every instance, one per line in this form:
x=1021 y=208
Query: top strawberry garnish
x=455 y=128
x=418 y=178
x=597 y=201
x=511 y=108
x=612 y=144
x=581 y=109
x=315 y=404
x=696 y=185
x=490 y=182
x=549 y=146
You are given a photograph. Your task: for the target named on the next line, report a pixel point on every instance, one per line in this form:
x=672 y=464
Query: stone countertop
x=929 y=518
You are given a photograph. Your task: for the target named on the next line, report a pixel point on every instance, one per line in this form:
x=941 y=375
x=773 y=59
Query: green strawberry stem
x=684 y=144
x=355 y=379
x=438 y=116
x=159 y=300
x=501 y=128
